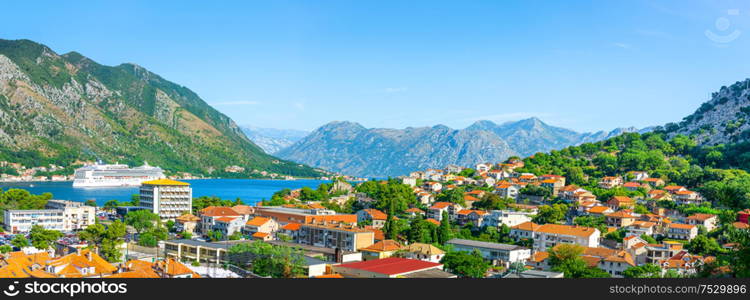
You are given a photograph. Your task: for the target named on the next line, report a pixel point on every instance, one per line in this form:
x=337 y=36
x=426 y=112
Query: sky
x=584 y=65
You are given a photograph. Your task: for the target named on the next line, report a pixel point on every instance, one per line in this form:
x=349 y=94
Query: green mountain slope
x=66 y=108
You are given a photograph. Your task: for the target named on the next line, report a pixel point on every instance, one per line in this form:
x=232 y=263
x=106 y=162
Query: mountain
x=531 y=135
x=352 y=149
x=272 y=140
x=722 y=119
x=64 y=109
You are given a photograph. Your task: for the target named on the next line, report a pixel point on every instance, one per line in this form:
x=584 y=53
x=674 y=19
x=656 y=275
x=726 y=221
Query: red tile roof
x=391 y=265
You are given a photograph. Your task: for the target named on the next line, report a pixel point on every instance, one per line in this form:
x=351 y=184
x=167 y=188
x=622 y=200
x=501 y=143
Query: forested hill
x=63 y=109
x=718 y=172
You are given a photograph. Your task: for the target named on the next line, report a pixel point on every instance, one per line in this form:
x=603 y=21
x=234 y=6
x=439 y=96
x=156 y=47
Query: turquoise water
x=249 y=191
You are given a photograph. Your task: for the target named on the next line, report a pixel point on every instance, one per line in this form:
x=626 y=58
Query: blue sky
x=584 y=65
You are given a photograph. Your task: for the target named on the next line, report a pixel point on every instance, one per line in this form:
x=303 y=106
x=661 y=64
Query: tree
x=566 y=258
x=90 y=203
x=455 y=195
x=215 y=235
x=703 y=245
x=111 y=204
x=643 y=271
x=235 y=236
x=268 y=260
x=19 y=241
x=551 y=214
x=42 y=238
x=107 y=239
x=444 y=231
x=141 y=220
x=5 y=248
x=466 y=264
x=186 y=235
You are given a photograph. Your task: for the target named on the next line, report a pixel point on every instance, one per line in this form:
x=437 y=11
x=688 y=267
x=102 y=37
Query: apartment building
x=502 y=254
x=167 y=198
x=76 y=215
x=508 y=218
x=335 y=235
x=549 y=235
x=21 y=220
x=681 y=231
x=285 y=215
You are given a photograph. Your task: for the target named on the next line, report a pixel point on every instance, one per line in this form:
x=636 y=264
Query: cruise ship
x=114 y=175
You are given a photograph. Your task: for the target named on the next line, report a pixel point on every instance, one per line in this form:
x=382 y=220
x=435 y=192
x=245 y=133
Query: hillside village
x=580 y=212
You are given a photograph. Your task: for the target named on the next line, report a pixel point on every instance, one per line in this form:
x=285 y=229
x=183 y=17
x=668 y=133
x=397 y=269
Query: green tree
x=142 y=220
x=566 y=258
x=643 y=271
x=551 y=214
x=464 y=264
x=20 y=241
x=42 y=238
x=444 y=231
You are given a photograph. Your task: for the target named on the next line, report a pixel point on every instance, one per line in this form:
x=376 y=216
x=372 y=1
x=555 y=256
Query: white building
x=21 y=220
x=548 y=235
x=76 y=215
x=60 y=215
x=167 y=198
x=502 y=253
x=507 y=217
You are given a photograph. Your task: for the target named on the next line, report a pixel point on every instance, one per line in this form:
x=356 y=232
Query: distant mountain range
x=272 y=140
x=352 y=149
x=64 y=109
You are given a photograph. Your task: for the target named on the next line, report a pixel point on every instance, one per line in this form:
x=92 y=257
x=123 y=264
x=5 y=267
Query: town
x=491 y=220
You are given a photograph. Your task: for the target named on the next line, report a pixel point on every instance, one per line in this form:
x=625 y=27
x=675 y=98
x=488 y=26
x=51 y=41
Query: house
x=681 y=231
x=414 y=212
x=654 y=182
x=638 y=175
x=609 y=182
x=473 y=216
x=421 y=251
x=618 y=202
x=708 y=221
x=228 y=225
x=656 y=253
x=684 y=263
x=376 y=217
x=744 y=216
x=659 y=195
x=260 y=224
x=686 y=197
x=166 y=268
x=469 y=200
x=639 y=228
x=82 y=264
x=600 y=210
x=619 y=219
x=433 y=186
x=425 y=197
x=497 y=218
x=392 y=267
x=438 y=208
x=187 y=223
x=382 y=249
x=335 y=235
x=481 y=168
x=549 y=235
x=507 y=190
x=454 y=169
x=284 y=215
x=209 y=215
x=499 y=254
x=288 y=231
x=552 y=182
x=527 y=177
x=261 y=236
x=410 y=181
x=617 y=263
x=633 y=186
x=674 y=188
